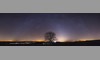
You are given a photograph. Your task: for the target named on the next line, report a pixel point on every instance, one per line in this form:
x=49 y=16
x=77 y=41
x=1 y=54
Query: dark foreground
x=82 y=43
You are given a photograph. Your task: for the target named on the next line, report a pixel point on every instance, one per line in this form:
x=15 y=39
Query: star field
x=68 y=26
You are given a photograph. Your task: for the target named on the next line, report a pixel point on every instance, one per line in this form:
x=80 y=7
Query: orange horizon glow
x=60 y=40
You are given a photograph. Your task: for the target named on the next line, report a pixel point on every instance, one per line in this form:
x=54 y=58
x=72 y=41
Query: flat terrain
x=79 y=43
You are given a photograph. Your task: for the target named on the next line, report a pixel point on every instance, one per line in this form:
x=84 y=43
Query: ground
x=80 y=43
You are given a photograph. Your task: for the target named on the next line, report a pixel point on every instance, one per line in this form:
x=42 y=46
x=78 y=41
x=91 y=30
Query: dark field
x=79 y=43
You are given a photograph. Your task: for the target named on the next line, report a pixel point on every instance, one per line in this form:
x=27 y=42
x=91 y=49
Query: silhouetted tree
x=50 y=36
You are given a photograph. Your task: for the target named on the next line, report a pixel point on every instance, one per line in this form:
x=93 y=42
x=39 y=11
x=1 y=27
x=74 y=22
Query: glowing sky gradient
x=69 y=26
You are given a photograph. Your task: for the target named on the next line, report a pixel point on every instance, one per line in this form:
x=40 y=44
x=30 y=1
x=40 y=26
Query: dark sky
x=34 y=26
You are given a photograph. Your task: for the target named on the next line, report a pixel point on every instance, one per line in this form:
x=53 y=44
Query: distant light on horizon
x=86 y=39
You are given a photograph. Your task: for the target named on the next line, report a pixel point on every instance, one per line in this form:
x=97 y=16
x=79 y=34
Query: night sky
x=67 y=26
